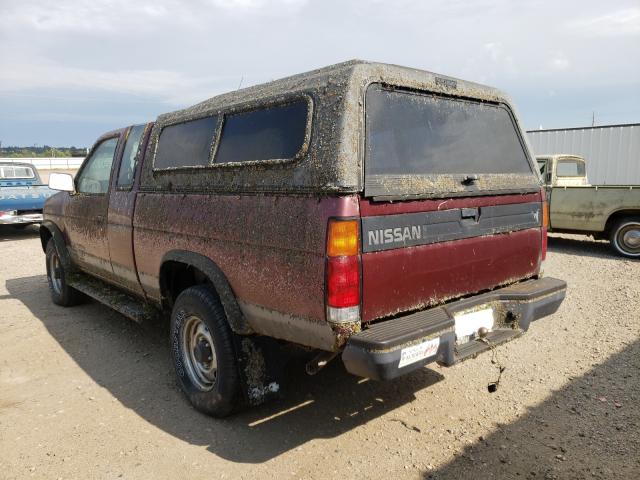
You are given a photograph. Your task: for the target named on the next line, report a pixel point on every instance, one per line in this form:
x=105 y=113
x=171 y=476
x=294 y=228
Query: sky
x=73 y=69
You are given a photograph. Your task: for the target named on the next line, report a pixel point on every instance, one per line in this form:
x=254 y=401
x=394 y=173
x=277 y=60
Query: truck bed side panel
x=588 y=208
x=271 y=248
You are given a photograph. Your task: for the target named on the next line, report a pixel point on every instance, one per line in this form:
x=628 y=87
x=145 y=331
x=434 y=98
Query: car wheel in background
x=625 y=237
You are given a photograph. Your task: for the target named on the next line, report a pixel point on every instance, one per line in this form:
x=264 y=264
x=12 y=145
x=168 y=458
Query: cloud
x=559 y=62
x=164 y=54
x=165 y=85
x=257 y=4
x=620 y=23
x=95 y=17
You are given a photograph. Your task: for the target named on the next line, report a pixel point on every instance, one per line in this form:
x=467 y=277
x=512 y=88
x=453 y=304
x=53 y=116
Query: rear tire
x=203 y=354
x=625 y=237
x=61 y=293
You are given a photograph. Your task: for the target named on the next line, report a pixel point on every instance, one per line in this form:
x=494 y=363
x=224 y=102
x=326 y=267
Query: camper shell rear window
x=422 y=144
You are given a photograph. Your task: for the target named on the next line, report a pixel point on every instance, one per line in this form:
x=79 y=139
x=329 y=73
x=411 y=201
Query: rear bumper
x=10 y=219
x=429 y=336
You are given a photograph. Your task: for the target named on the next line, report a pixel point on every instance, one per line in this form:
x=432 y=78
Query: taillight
x=545 y=226
x=343 y=271
x=343 y=282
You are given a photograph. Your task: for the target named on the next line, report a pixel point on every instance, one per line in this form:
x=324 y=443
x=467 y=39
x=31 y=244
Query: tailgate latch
x=473 y=213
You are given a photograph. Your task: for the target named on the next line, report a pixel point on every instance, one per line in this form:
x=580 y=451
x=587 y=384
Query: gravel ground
x=84 y=393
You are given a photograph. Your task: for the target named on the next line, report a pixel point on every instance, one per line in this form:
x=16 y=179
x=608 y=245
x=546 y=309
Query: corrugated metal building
x=612 y=152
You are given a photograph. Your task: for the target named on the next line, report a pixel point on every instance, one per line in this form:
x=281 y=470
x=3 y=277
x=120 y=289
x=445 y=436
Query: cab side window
x=128 y=164
x=94 y=177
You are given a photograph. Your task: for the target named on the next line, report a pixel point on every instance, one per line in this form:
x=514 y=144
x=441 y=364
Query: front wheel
x=625 y=237
x=203 y=352
x=61 y=292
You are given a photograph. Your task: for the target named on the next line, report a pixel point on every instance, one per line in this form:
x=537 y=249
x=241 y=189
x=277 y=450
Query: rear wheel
x=61 y=292
x=203 y=353
x=625 y=237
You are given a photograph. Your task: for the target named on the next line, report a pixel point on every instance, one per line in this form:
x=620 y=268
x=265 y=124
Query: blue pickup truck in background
x=22 y=194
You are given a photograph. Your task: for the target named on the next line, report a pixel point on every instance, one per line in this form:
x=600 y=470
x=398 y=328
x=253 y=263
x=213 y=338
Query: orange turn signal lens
x=342 y=239
x=545 y=214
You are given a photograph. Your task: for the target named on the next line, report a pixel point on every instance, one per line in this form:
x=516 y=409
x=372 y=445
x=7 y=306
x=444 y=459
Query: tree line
x=44 y=151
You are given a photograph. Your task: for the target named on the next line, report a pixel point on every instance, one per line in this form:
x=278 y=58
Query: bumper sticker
x=418 y=352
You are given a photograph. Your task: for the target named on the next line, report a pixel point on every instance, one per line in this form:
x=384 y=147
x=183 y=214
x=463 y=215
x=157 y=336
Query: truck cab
x=562 y=170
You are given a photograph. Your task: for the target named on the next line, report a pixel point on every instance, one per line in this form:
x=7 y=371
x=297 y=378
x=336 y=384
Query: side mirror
x=61 y=181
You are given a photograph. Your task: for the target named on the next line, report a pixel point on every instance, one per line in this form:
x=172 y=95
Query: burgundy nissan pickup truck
x=387 y=215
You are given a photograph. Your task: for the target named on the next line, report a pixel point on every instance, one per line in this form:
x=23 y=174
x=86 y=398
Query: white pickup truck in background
x=604 y=211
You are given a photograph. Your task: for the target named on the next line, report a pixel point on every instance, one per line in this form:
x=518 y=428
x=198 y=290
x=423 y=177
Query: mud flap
x=261 y=365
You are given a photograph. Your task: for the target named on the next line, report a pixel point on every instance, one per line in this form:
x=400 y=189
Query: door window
x=94 y=177
x=128 y=164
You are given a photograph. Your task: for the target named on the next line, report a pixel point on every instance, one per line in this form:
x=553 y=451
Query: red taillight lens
x=343 y=281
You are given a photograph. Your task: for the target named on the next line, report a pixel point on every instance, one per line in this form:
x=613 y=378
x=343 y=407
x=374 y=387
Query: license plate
x=418 y=352
x=468 y=324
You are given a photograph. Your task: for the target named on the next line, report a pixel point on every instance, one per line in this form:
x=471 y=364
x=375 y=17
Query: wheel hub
x=199 y=353
x=632 y=238
x=202 y=352
x=55 y=273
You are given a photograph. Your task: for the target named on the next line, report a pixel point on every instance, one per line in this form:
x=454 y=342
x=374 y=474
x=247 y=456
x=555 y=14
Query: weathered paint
x=271 y=248
x=577 y=206
x=587 y=209
x=332 y=161
x=414 y=278
x=120 y=223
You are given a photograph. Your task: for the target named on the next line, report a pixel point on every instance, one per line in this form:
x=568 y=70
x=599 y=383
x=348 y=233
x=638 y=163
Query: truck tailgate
x=20 y=198
x=451 y=204
x=421 y=253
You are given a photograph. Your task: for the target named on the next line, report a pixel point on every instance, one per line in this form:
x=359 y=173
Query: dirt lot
x=84 y=393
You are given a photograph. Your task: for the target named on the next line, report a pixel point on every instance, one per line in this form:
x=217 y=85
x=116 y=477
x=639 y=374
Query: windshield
x=418 y=134
x=16 y=171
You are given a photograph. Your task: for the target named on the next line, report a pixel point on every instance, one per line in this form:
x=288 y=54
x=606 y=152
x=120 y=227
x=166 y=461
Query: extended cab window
x=128 y=164
x=271 y=133
x=570 y=168
x=95 y=174
x=186 y=144
x=410 y=135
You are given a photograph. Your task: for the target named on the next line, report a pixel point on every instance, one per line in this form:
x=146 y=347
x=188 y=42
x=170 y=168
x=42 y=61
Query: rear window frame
x=467 y=191
x=217 y=134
